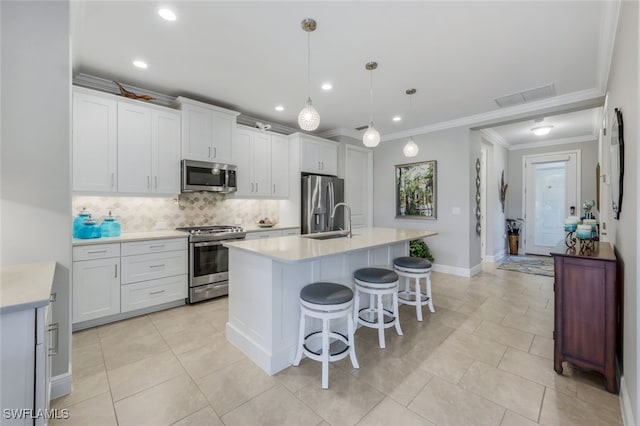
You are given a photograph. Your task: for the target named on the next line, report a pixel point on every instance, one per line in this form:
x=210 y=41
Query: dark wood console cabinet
x=587 y=310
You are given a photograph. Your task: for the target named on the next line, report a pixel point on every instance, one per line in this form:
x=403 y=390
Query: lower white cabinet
x=272 y=234
x=144 y=267
x=149 y=293
x=96 y=288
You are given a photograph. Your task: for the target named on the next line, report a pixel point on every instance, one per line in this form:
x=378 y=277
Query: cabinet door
x=309 y=160
x=243 y=160
x=197 y=133
x=96 y=289
x=94 y=141
x=261 y=153
x=223 y=129
x=328 y=158
x=134 y=148
x=279 y=166
x=165 y=136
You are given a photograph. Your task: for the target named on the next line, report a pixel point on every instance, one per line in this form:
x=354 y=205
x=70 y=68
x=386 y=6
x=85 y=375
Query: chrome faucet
x=346 y=206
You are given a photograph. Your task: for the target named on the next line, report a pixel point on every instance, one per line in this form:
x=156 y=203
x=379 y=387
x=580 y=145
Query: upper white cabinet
x=263 y=163
x=124 y=146
x=94 y=142
x=207 y=131
x=318 y=155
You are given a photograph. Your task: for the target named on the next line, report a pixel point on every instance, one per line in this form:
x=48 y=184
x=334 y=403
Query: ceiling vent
x=359 y=128
x=530 y=95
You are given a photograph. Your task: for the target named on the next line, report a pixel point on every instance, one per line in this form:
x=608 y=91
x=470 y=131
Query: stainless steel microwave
x=205 y=176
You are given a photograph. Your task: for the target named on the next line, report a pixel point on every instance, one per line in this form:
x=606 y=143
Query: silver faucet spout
x=346 y=206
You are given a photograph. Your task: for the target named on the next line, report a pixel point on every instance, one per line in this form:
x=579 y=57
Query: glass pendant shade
x=371 y=137
x=309 y=119
x=410 y=148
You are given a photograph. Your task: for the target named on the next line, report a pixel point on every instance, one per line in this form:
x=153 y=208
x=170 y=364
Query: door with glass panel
x=551 y=189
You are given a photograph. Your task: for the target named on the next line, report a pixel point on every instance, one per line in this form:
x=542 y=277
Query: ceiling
x=251 y=56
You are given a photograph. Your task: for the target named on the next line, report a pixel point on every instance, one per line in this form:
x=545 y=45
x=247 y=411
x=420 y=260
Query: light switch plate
x=455 y=211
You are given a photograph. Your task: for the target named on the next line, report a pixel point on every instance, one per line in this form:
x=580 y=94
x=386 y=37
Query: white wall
x=451 y=149
x=496 y=225
x=624 y=233
x=35 y=187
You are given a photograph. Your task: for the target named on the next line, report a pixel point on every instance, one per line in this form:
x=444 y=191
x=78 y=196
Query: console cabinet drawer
x=96 y=251
x=153 y=246
x=155 y=292
x=147 y=267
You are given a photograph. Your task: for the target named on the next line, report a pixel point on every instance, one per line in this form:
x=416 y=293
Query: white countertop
x=295 y=248
x=26 y=286
x=277 y=227
x=131 y=236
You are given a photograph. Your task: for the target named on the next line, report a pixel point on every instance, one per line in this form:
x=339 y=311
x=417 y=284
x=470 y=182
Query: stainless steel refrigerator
x=319 y=195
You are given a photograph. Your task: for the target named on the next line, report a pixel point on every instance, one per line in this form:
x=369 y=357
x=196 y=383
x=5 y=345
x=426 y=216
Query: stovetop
x=214 y=233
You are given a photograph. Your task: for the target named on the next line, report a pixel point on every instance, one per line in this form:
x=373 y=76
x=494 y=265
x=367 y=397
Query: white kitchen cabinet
x=287 y=232
x=151 y=266
x=134 y=148
x=257 y=235
x=165 y=151
x=252 y=156
x=318 y=156
x=279 y=166
x=155 y=292
x=94 y=142
x=96 y=288
x=207 y=131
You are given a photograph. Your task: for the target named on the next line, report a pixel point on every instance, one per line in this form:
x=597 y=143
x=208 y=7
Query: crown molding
x=554 y=142
x=495 y=137
x=108 y=86
x=577 y=100
x=341 y=131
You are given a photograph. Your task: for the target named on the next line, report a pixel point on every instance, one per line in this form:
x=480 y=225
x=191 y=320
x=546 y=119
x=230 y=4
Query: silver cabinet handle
x=96 y=251
x=113 y=179
x=156 y=292
x=157 y=246
x=148 y=182
x=256 y=186
x=252 y=187
x=274 y=188
x=157 y=266
x=215 y=152
x=55 y=328
x=156 y=178
x=115 y=273
x=319 y=168
x=209 y=152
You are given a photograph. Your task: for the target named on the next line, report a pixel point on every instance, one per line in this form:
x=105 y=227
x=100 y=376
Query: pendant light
x=308 y=119
x=410 y=148
x=371 y=137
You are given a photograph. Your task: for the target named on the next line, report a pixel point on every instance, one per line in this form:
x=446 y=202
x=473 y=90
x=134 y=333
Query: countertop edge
x=130 y=237
x=45 y=274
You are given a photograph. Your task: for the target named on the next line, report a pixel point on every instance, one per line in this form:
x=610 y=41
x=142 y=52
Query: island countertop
x=296 y=248
x=25 y=286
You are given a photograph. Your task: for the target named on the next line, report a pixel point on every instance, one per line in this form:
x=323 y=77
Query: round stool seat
x=376 y=275
x=326 y=293
x=412 y=262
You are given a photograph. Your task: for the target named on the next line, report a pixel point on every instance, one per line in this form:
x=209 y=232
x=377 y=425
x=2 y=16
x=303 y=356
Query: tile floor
x=484 y=358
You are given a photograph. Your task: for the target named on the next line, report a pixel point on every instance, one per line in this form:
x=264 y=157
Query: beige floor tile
x=449 y=405
x=196 y=336
x=539 y=370
x=475 y=347
x=86 y=359
x=309 y=372
x=234 y=385
x=85 y=337
x=471 y=324
x=204 y=417
x=559 y=409
x=512 y=419
x=506 y=335
x=448 y=364
x=177 y=323
x=126 y=328
x=530 y=324
x=389 y=412
x=346 y=401
x=207 y=359
x=542 y=346
x=277 y=406
x=510 y=391
x=140 y=375
x=119 y=350
x=163 y=404
x=84 y=387
x=96 y=411
x=453 y=319
x=443 y=300
x=596 y=395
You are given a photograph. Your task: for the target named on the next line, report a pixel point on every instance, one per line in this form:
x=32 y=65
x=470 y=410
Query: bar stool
x=377 y=282
x=418 y=268
x=326 y=301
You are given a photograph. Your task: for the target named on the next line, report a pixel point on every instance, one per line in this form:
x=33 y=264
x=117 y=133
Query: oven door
x=209 y=263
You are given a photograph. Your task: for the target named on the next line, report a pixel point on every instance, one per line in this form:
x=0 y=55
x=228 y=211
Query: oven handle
x=207 y=244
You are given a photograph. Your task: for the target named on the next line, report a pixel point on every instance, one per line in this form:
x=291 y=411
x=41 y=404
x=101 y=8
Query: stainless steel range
x=209 y=260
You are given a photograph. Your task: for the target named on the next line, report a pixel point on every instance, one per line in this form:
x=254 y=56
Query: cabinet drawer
x=96 y=251
x=153 y=246
x=152 y=266
x=154 y=292
x=263 y=234
x=295 y=231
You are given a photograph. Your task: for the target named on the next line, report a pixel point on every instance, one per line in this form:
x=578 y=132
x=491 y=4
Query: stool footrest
x=338 y=349
x=410 y=297
x=389 y=318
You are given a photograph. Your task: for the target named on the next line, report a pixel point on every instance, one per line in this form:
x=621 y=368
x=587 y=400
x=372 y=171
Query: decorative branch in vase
x=128 y=94
x=503 y=191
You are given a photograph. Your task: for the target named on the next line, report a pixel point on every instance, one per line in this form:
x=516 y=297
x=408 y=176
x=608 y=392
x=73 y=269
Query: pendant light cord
x=309 y=65
x=370 y=96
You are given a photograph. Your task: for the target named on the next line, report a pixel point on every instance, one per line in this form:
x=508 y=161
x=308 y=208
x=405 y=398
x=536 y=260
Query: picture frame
x=416 y=190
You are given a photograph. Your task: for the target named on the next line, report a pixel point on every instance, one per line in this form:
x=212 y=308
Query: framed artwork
x=416 y=190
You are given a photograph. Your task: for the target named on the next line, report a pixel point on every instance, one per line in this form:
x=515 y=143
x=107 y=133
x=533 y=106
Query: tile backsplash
x=137 y=214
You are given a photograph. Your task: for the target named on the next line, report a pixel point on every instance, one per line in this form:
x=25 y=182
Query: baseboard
x=625 y=404
x=61 y=385
x=454 y=270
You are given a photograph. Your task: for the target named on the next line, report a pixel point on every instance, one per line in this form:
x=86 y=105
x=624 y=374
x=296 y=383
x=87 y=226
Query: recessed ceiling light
x=397 y=118
x=167 y=14
x=541 y=131
x=279 y=108
x=327 y=86
x=140 y=64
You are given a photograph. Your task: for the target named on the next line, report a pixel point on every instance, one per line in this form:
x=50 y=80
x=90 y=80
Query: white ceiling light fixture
x=371 y=137
x=410 y=148
x=327 y=86
x=140 y=64
x=542 y=130
x=397 y=118
x=167 y=14
x=308 y=119
x=279 y=108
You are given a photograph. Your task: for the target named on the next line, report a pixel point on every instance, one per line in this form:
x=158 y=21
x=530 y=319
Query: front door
x=551 y=189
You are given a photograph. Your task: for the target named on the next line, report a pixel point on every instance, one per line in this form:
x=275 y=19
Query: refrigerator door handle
x=331 y=200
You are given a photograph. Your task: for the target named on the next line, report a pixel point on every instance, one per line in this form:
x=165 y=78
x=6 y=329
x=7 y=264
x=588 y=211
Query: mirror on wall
x=617 y=163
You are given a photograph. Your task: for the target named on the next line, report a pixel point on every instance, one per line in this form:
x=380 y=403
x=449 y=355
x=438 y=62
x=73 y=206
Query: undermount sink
x=326 y=235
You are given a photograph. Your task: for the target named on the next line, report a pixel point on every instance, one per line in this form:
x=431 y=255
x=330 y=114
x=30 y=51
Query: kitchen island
x=265 y=278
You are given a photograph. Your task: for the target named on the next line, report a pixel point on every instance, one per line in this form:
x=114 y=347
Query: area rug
x=536 y=265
